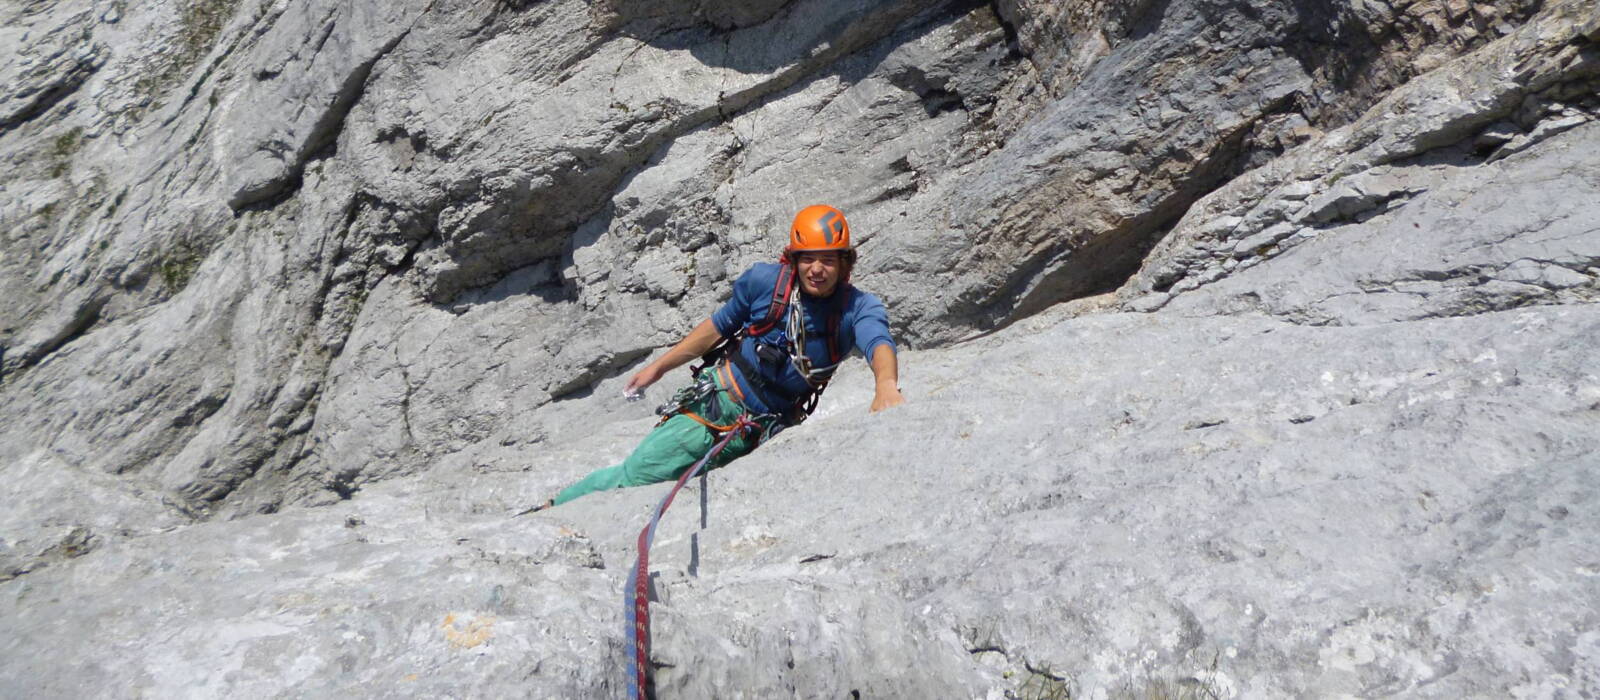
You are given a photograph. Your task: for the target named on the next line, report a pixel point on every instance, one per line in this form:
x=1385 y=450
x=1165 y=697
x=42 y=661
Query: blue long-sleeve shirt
x=864 y=325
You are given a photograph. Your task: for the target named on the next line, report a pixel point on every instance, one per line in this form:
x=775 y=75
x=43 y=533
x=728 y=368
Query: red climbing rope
x=638 y=589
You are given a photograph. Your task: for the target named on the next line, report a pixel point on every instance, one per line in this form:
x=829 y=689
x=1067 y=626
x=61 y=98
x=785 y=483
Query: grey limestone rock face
x=277 y=169
x=1441 y=128
x=1269 y=508
x=52 y=58
x=307 y=604
x=303 y=301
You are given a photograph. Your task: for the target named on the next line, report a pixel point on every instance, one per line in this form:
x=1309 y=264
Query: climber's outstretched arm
x=886 y=368
x=690 y=348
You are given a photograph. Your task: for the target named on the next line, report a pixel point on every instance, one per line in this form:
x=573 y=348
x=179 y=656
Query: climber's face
x=819 y=271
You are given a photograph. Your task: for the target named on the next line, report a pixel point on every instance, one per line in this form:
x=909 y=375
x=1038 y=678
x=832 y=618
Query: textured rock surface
x=1439 y=140
x=1279 y=509
x=1333 y=435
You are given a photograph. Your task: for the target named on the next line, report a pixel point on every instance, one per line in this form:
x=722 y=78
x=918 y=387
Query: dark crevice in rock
x=321 y=142
x=1478 y=304
x=324 y=134
x=344 y=484
x=198 y=412
x=64 y=86
x=904 y=181
x=1044 y=670
x=1358 y=207
x=77 y=542
x=410 y=258
x=637 y=18
x=83 y=319
x=1493 y=146
x=268 y=198
x=545 y=282
x=1143 y=18
x=980 y=641
x=1008 y=26
x=405 y=398
x=1109 y=260
x=582 y=385
x=932 y=91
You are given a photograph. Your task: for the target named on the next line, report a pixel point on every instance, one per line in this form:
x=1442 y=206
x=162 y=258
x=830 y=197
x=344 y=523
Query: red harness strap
x=778 y=307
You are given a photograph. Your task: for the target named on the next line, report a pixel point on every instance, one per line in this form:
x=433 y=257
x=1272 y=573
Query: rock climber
x=767 y=354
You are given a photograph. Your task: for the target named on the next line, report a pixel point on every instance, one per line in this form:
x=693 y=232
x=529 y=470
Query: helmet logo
x=831 y=224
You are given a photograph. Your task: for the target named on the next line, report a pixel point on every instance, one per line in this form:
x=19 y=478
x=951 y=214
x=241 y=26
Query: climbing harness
x=637 y=597
x=711 y=413
x=783 y=307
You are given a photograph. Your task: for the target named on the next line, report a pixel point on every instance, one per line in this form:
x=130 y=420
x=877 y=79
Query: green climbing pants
x=673 y=447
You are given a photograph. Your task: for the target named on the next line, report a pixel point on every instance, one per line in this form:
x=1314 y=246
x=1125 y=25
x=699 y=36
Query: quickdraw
x=637 y=597
x=702 y=387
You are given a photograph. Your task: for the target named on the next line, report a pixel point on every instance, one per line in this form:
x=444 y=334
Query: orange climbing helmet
x=819 y=227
